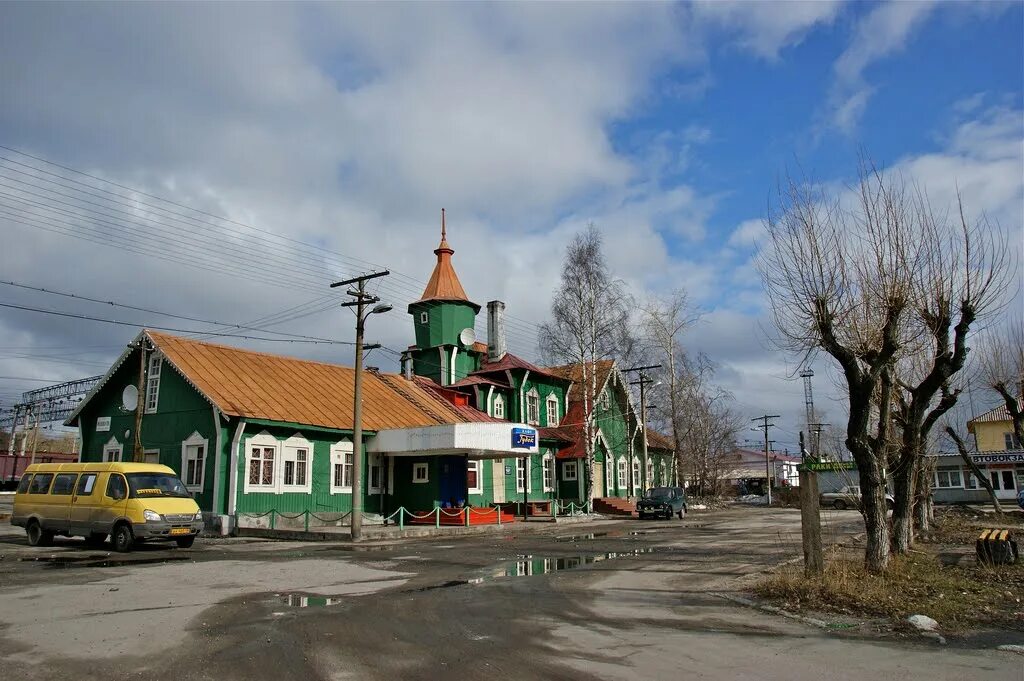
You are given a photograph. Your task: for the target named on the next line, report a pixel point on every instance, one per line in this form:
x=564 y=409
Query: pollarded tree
x=590 y=321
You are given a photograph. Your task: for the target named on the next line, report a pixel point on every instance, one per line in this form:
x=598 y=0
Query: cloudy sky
x=238 y=158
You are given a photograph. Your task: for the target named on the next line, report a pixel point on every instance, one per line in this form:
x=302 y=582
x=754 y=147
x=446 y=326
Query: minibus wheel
x=122 y=538
x=185 y=542
x=95 y=538
x=37 y=536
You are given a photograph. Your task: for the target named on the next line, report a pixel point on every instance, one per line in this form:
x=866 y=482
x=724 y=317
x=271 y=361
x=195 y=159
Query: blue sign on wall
x=524 y=438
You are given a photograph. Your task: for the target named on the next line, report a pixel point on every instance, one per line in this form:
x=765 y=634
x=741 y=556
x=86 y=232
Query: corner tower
x=443 y=318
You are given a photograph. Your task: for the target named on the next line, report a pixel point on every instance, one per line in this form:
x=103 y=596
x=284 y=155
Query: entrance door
x=452 y=482
x=597 y=479
x=84 y=504
x=1003 y=483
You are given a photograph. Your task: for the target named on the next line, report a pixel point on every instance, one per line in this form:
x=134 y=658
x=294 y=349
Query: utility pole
x=362 y=299
x=767 y=464
x=816 y=429
x=138 y=454
x=643 y=381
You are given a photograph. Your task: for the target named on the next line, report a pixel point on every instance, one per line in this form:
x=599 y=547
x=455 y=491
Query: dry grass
x=959 y=596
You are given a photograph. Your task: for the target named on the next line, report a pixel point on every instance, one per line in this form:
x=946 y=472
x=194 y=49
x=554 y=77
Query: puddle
x=611 y=534
x=300 y=601
x=527 y=566
x=102 y=561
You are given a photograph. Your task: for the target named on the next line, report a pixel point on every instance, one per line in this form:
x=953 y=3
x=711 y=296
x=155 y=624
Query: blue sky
x=348 y=126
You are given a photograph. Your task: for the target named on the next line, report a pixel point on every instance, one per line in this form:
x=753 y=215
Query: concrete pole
x=357 y=424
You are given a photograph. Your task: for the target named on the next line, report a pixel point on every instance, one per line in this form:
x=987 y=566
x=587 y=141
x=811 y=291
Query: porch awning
x=489 y=440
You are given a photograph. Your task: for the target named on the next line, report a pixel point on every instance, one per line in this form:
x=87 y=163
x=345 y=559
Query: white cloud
x=765 y=28
x=881 y=32
x=749 y=233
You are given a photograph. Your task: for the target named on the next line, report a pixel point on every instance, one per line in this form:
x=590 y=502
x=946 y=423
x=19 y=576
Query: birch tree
x=590 y=321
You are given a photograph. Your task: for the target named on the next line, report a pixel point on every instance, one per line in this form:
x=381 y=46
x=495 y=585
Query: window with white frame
x=424 y=317
x=970 y=482
x=421 y=472
x=552 y=409
x=151 y=455
x=153 y=382
x=193 y=461
x=609 y=474
x=474 y=479
x=946 y=478
x=636 y=474
x=549 y=472
x=376 y=480
x=570 y=471
x=603 y=400
x=297 y=464
x=112 y=450
x=1010 y=441
x=261 y=457
x=532 y=407
x=499 y=407
x=649 y=480
x=341 y=467
x=622 y=473
x=523 y=474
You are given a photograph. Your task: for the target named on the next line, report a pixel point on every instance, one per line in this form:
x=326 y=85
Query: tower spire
x=444 y=236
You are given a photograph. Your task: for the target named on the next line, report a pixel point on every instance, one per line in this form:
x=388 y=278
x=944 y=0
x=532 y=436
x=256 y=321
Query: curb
x=821 y=624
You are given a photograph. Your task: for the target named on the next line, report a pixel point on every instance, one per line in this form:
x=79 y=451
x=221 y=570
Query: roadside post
x=810 y=518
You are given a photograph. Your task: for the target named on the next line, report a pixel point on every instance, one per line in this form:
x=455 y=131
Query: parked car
x=849 y=497
x=662 y=501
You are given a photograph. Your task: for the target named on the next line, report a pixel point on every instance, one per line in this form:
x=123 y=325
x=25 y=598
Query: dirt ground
x=612 y=600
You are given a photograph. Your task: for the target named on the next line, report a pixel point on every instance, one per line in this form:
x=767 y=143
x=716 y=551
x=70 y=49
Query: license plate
x=180 y=530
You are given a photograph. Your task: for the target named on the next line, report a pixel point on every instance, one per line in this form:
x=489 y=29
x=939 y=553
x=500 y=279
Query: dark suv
x=662 y=501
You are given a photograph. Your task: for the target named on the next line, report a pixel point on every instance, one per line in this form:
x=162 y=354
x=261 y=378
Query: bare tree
x=975 y=469
x=961 y=275
x=665 y=320
x=590 y=321
x=1003 y=370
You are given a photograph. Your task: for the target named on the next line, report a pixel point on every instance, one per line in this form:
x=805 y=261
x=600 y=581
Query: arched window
x=262 y=456
x=549 y=471
x=499 y=407
x=533 y=406
x=552 y=410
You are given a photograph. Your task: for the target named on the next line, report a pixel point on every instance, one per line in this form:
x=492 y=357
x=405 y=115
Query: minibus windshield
x=145 y=485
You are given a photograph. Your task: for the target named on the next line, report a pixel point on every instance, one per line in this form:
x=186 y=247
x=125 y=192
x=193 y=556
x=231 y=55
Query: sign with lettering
x=524 y=438
x=819 y=466
x=1008 y=457
x=102 y=424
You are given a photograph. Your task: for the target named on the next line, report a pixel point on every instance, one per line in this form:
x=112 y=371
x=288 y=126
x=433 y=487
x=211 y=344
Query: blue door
x=452 y=484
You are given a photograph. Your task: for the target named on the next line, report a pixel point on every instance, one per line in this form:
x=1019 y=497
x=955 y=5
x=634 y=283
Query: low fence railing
x=397 y=518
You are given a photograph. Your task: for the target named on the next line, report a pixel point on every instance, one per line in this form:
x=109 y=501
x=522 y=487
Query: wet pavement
x=618 y=599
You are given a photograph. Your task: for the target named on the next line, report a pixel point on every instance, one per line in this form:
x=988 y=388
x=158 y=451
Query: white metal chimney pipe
x=496 y=348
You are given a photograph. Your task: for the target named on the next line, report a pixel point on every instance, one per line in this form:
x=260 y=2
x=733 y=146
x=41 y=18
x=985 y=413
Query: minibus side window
x=64 y=483
x=26 y=480
x=86 y=483
x=40 y=483
x=117 y=488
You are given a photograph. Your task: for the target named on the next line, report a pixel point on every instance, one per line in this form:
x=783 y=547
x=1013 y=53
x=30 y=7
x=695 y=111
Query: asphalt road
x=612 y=600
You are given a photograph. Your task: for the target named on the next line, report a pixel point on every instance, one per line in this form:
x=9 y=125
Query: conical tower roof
x=444 y=284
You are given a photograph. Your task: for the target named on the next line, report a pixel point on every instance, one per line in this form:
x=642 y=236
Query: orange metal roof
x=260 y=385
x=997 y=415
x=444 y=284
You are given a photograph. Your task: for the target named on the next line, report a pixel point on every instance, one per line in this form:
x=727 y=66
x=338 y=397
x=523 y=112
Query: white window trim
x=265 y=440
x=947 y=471
x=649 y=479
x=154 y=370
x=552 y=405
x=548 y=460
x=289 y=452
x=609 y=472
x=525 y=463
x=479 y=487
x=621 y=471
x=499 y=401
x=425 y=467
x=570 y=466
x=637 y=467
x=533 y=419
x=193 y=440
x=373 y=460
x=111 y=447
x=603 y=400
x=424 y=317
x=338 y=451
x=147 y=452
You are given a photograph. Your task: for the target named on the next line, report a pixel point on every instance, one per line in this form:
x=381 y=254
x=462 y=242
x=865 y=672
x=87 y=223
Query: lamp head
x=378 y=309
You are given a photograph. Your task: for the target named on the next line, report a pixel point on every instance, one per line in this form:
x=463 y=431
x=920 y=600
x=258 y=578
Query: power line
x=169 y=329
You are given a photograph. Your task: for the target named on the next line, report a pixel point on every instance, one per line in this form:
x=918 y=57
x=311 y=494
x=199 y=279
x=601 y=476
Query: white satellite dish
x=130 y=398
x=467 y=337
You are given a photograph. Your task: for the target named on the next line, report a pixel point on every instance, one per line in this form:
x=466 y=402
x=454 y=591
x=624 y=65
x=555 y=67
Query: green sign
x=819 y=466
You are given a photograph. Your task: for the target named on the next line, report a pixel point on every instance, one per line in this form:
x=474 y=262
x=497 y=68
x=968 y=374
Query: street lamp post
x=362 y=300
